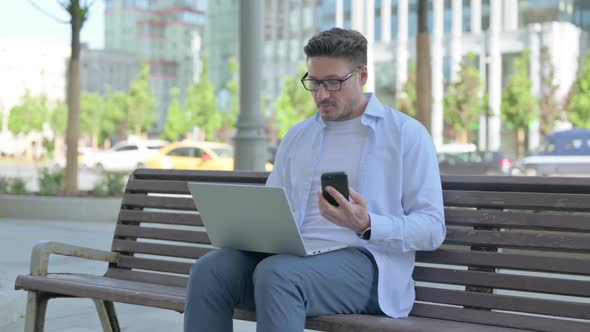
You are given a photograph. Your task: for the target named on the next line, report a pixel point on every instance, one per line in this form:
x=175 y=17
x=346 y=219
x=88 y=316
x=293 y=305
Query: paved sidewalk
x=18 y=236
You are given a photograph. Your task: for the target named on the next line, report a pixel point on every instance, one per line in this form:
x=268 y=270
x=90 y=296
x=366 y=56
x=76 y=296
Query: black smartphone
x=337 y=180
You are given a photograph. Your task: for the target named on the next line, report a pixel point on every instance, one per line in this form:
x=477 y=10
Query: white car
x=124 y=156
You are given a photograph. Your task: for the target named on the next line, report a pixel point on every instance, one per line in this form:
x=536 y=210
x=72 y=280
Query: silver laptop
x=253 y=218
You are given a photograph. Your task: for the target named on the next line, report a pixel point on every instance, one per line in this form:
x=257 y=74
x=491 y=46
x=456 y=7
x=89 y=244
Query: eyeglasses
x=331 y=84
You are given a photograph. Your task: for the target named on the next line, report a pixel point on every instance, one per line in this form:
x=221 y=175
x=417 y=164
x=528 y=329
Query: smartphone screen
x=337 y=180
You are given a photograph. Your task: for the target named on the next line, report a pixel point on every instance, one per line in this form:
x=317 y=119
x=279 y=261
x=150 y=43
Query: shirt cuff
x=382 y=227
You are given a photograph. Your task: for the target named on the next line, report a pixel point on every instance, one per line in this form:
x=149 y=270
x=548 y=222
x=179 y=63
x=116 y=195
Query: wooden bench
x=516 y=257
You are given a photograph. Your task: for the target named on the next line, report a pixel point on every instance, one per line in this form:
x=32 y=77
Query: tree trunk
x=423 y=68
x=73 y=98
x=520 y=141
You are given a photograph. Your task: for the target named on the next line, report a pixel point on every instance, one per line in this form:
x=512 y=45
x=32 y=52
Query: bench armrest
x=42 y=250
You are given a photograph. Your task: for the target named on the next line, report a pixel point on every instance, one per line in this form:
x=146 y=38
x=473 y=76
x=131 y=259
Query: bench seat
x=173 y=297
x=516 y=257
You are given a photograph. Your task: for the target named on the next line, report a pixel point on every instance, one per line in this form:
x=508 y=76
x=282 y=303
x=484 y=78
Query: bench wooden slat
x=363 y=323
x=162 y=234
x=158 y=265
x=538 y=184
x=201 y=176
x=115 y=290
x=129 y=246
x=503 y=281
x=517 y=200
x=563 y=265
x=517 y=220
x=170 y=218
x=518 y=239
x=157 y=186
x=504 y=302
x=149 y=277
x=158 y=202
x=520 y=321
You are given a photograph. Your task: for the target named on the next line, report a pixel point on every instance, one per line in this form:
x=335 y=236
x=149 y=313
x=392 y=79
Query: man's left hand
x=352 y=214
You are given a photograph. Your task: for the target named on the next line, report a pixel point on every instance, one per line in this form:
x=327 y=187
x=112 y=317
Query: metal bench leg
x=36 y=308
x=107 y=315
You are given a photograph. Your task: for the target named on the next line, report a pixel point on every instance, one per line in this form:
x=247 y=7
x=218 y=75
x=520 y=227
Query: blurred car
x=123 y=156
x=60 y=161
x=563 y=152
x=475 y=163
x=195 y=155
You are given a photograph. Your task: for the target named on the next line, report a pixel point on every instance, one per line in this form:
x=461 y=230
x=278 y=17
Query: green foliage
x=141 y=103
x=51 y=182
x=58 y=119
x=578 y=111
x=294 y=104
x=228 y=119
x=114 y=108
x=5 y=184
x=15 y=186
x=518 y=102
x=112 y=184
x=406 y=101
x=201 y=104
x=18 y=186
x=462 y=103
x=550 y=106
x=29 y=115
x=101 y=115
x=176 y=122
x=90 y=107
x=74 y=8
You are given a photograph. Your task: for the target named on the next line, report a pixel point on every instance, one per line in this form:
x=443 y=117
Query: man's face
x=340 y=105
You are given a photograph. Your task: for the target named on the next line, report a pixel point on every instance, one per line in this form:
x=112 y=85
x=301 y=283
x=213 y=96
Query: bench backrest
x=515 y=246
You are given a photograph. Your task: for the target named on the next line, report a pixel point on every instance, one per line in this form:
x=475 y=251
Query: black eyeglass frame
x=323 y=82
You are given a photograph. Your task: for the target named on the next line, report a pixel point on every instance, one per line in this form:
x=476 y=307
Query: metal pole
x=250 y=139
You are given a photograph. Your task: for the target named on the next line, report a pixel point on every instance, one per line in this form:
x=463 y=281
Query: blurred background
x=159 y=82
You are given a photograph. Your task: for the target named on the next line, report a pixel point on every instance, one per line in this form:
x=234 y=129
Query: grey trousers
x=283 y=289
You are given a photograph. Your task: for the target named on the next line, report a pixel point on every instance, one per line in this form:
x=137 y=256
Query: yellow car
x=195 y=155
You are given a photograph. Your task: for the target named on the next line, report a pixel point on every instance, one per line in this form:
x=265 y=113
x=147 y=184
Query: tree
x=201 y=104
x=423 y=79
x=550 y=108
x=58 y=122
x=406 y=101
x=115 y=108
x=176 y=121
x=90 y=114
x=141 y=103
x=294 y=104
x=578 y=110
x=29 y=115
x=101 y=114
x=518 y=102
x=78 y=14
x=228 y=119
x=462 y=104
x=58 y=119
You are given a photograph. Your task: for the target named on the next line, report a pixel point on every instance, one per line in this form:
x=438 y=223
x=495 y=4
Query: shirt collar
x=374 y=109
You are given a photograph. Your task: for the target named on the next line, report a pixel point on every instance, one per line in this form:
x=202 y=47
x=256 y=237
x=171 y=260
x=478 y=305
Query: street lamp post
x=250 y=139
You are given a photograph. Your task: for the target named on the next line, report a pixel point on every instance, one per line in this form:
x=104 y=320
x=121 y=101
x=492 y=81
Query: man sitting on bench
x=396 y=208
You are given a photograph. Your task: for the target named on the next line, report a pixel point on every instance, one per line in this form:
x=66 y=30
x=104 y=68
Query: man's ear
x=364 y=74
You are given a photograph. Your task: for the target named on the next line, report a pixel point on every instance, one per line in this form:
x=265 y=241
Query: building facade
x=166 y=34
x=102 y=70
x=496 y=31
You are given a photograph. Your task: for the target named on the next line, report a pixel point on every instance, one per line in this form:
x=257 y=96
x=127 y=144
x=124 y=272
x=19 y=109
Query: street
x=17 y=237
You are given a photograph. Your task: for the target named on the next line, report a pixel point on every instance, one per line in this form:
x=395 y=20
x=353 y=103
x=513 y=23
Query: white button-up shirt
x=398 y=177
